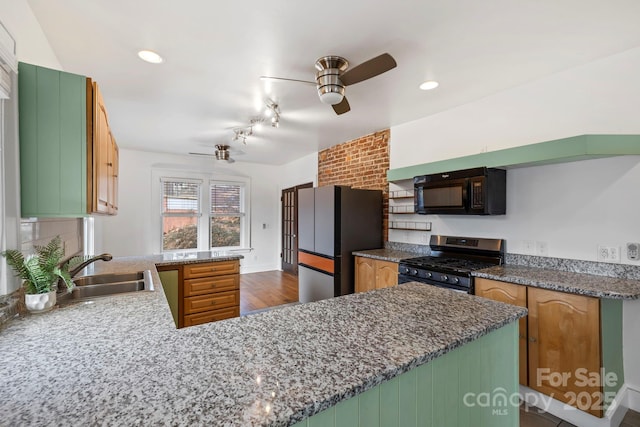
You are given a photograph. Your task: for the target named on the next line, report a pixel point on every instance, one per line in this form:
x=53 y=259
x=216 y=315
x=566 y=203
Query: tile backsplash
x=38 y=232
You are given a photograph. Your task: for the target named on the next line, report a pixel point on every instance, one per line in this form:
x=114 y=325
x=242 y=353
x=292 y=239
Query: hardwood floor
x=267 y=289
x=530 y=416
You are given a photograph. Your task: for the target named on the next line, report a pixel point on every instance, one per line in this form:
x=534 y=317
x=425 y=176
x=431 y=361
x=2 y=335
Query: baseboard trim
x=614 y=415
x=632 y=397
x=258 y=268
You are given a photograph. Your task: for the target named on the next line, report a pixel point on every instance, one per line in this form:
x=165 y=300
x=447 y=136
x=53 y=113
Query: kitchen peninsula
x=412 y=352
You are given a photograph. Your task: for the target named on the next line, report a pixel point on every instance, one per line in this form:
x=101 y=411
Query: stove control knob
x=414 y=272
x=429 y=275
x=445 y=277
x=456 y=280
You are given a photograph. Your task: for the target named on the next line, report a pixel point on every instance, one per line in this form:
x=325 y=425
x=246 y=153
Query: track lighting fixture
x=242 y=133
x=273 y=111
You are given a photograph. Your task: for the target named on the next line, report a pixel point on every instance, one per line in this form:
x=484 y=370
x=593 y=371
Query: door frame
x=292 y=267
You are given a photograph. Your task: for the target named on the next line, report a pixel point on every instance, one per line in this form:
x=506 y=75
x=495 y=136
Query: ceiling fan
x=221 y=153
x=334 y=74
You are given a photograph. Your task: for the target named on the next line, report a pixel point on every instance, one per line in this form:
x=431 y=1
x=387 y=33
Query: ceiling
x=214 y=53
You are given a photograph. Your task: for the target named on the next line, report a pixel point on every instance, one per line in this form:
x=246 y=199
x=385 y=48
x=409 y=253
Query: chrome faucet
x=78 y=268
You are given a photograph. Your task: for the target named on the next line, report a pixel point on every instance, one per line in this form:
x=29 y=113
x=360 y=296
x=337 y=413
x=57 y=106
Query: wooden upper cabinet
x=564 y=337
x=515 y=295
x=103 y=158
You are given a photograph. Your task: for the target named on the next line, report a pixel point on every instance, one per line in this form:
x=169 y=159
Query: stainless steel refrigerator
x=334 y=221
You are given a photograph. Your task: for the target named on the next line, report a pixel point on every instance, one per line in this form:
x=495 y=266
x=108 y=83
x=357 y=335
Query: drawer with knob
x=206 y=269
x=211 y=302
x=207 y=285
x=211 y=316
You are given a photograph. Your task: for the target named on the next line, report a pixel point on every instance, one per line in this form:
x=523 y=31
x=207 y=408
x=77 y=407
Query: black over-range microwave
x=477 y=191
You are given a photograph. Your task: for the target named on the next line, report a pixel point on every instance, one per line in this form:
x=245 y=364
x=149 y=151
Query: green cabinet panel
x=170 y=283
x=583 y=147
x=611 y=334
x=53 y=142
x=473 y=385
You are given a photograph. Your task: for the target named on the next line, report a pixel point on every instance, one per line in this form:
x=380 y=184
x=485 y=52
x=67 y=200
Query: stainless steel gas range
x=451 y=262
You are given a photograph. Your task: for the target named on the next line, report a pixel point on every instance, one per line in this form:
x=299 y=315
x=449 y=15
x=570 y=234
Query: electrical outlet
x=608 y=253
x=614 y=254
x=542 y=248
x=529 y=247
x=633 y=250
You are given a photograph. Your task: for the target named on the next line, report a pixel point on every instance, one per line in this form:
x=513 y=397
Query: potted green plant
x=41 y=273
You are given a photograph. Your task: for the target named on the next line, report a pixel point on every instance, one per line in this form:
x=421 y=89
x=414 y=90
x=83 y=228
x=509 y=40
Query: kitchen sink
x=108 y=284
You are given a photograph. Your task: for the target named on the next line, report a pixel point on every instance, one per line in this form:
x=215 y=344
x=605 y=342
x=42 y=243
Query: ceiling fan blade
x=202 y=154
x=366 y=70
x=342 y=107
x=282 y=79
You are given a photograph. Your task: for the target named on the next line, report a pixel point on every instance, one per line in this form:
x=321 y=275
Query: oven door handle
x=403 y=278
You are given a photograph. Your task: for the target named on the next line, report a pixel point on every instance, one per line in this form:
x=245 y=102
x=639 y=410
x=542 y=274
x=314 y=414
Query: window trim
x=244 y=225
x=197 y=215
x=162 y=173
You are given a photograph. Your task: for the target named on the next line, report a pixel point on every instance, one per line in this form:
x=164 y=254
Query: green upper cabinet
x=53 y=142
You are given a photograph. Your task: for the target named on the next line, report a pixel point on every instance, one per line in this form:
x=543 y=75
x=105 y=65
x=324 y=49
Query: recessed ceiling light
x=429 y=84
x=150 y=56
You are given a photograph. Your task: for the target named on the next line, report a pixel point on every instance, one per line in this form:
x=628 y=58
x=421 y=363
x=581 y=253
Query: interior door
x=289 y=202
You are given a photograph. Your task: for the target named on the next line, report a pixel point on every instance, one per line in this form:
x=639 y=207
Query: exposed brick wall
x=359 y=163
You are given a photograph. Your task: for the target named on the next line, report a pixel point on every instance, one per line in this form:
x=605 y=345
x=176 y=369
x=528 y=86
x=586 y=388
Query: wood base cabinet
x=204 y=292
x=374 y=274
x=570 y=345
x=514 y=295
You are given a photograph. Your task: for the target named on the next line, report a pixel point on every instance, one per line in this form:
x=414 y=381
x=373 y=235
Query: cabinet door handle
x=522 y=337
x=213 y=303
x=110 y=164
x=213 y=269
x=533 y=339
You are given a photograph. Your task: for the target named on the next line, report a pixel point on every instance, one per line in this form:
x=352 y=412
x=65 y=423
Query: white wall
x=32 y=44
x=33 y=47
x=136 y=228
x=571 y=207
x=599 y=97
x=300 y=171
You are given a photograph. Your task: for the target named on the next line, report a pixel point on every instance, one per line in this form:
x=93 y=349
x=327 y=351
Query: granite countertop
x=149 y=262
x=564 y=281
x=387 y=254
x=120 y=360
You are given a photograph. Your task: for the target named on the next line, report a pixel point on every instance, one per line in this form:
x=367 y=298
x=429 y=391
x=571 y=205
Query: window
x=226 y=214
x=196 y=219
x=180 y=213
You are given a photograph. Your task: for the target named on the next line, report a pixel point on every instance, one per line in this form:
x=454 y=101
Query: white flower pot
x=39 y=303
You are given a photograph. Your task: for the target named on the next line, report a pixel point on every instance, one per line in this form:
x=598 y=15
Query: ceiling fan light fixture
x=222 y=152
x=331 y=98
x=150 y=56
x=429 y=85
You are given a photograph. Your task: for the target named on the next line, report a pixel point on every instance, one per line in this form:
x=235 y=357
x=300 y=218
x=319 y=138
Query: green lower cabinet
x=53 y=142
x=473 y=385
x=612 y=362
x=170 y=285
